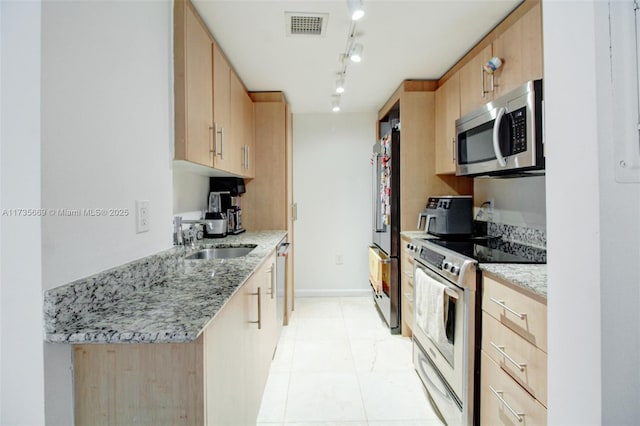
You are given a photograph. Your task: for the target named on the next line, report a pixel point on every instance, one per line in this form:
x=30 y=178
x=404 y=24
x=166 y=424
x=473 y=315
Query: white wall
x=332 y=172
x=574 y=193
x=21 y=350
x=106 y=142
x=517 y=201
x=619 y=218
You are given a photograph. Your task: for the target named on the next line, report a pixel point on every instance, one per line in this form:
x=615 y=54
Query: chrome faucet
x=179 y=235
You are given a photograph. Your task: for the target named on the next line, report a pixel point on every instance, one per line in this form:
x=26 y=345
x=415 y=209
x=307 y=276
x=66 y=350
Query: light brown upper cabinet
x=241 y=137
x=213 y=111
x=226 y=158
x=474 y=83
x=520 y=48
x=249 y=138
x=518 y=42
x=193 y=88
x=447 y=112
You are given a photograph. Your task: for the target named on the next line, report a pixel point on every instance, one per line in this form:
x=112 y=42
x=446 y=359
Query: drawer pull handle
x=506 y=355
x=259 y=322
x=501 y=304
x=498 y=394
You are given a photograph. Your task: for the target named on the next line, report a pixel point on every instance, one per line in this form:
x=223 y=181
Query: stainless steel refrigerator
x=386 y=224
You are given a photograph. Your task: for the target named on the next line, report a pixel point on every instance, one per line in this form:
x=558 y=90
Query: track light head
x=356 y=53
x=356 y=9
x=335 y=105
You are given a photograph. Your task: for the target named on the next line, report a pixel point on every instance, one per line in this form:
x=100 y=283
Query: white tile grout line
x=355 y=368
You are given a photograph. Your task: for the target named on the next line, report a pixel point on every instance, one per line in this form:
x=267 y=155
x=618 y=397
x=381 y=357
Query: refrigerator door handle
x=378 y=226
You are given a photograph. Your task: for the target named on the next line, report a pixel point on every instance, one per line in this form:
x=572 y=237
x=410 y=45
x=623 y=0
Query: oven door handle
x=450 y=291
x=496 y=137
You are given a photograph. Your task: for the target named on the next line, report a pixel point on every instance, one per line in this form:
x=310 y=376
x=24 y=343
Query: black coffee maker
x=230 y=190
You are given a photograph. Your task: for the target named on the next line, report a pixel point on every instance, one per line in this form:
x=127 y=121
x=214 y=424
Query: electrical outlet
x=142 y=216
x=339 y=259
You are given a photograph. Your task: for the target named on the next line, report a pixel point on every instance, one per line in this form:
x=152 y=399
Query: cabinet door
x=234 y=148
x=221 y=104
x=290 y=217
x=227 y=364
x=249 y=136
x=242 y=136
x=261 y=307
x=406 y=280
x=474 y=82
x=138 y=383
x=447 y=112
x=520 y=48
x=198 y=92
x=266 y=196
x=270 y=327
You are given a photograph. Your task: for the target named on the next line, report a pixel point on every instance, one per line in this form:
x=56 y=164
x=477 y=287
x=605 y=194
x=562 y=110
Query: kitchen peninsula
x=169 y=328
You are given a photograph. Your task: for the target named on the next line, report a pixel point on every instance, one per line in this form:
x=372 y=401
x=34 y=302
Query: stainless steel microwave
x=504 y=136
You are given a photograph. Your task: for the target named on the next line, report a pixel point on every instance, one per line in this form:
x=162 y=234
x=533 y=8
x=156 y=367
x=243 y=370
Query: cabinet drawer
x=517 y=311
x=378 y=268
x=507 y=349
x=502 y=400
x=407 y=311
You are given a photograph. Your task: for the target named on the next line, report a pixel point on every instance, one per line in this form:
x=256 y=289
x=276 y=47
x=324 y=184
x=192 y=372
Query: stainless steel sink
x=223 y=252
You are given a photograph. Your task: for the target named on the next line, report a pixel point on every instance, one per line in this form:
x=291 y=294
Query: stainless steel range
x=447 y=297
x=444 y=331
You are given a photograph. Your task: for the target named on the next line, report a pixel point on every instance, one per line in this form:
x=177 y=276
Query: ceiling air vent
x=306 y=24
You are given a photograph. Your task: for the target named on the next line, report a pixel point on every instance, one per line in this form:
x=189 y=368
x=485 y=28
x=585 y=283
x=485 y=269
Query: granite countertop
x=532 y=278
x=161 y=298
x=415 y=234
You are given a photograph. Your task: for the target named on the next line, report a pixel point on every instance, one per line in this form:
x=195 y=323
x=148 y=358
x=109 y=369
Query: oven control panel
x=446 y=263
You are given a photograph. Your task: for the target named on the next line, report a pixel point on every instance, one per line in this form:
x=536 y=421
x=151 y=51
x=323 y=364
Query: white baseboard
x=352 y=292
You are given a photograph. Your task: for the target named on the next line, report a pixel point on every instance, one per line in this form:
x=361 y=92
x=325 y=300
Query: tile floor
x=337 y=364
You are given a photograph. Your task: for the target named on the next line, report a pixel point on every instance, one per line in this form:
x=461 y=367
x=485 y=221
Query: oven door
x=442 y=397
x=441 y=330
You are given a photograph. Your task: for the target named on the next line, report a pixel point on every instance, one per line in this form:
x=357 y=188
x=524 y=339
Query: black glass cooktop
x=494 y=250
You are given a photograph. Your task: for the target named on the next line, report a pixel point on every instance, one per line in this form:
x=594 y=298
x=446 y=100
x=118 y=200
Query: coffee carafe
x=231 y=205
x=217 y=225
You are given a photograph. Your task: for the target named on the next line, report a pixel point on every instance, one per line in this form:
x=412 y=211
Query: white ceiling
x=418 y=39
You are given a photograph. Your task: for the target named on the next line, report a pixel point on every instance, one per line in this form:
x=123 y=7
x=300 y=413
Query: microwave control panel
x=518 y=131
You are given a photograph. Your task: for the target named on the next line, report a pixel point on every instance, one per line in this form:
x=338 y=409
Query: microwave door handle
x=496 y=137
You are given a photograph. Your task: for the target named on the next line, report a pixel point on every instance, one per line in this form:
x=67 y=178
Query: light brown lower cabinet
x=513 y=387
x=504 y=402
x=406 y=287
x=216 y=380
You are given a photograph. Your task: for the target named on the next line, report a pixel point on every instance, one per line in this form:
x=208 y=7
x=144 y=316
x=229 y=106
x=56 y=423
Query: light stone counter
x=415 y=234
x=161 y=298
x=532 y=278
